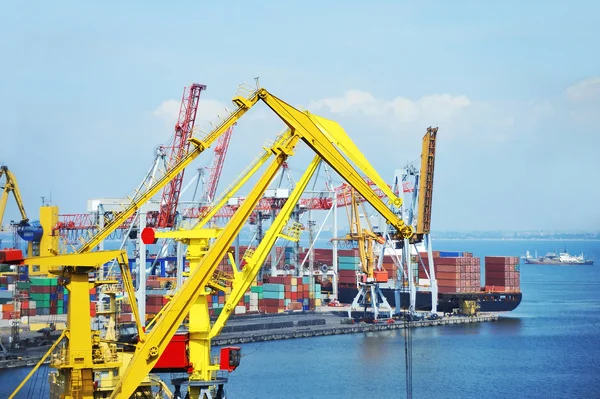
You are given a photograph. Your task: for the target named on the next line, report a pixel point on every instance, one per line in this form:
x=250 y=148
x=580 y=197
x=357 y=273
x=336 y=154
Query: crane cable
x=408 y=352
x=408 y=357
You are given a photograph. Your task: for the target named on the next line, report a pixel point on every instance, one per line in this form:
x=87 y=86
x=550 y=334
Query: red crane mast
x=178 y=150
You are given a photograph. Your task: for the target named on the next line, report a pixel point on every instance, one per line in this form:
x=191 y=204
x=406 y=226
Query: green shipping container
x=39 y=297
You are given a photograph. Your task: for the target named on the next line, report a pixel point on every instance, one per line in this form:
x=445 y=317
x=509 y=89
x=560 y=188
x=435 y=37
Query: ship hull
x=488 y=302
x=546 y=262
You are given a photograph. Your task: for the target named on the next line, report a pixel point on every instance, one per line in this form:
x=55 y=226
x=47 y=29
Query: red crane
x=178 y=150
x=217 y=166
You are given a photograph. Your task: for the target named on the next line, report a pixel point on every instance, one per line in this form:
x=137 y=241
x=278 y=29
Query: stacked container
x=348 y=265
x=502 y=274
x=455 y=274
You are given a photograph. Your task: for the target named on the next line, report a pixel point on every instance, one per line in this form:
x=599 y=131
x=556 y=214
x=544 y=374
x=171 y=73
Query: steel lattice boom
x=178 y=150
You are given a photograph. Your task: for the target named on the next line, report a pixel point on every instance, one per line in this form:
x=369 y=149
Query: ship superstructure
x=562 y=258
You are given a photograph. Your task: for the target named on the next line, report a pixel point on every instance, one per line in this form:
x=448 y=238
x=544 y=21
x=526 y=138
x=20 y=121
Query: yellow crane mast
x=84 y=353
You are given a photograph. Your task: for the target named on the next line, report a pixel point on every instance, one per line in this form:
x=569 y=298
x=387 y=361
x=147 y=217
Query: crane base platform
x=206 y=387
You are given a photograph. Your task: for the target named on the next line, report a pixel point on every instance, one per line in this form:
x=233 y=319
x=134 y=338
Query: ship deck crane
x=319 y=134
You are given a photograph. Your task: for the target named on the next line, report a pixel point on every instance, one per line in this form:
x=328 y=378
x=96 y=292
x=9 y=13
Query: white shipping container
x=253 y=308
x=240 y=310
x=254 y=295
x=424 y=282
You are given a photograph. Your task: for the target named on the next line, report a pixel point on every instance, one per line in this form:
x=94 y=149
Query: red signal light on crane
x=149 y=236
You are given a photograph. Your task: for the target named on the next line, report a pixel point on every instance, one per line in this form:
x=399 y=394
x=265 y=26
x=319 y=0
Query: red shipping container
x=507 y=260
x=446 y=268
x=447 y=276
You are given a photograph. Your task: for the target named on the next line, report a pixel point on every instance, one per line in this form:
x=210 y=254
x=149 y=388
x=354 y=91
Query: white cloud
x=457 y=115
x=583 y=102
x=585 y=90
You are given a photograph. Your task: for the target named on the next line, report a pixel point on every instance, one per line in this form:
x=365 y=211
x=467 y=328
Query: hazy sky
x=89 y=89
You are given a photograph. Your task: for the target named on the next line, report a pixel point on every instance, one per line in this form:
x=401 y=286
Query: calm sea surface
x=549 y=347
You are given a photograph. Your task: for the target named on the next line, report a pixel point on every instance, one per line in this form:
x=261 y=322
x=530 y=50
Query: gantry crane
x=320 y=135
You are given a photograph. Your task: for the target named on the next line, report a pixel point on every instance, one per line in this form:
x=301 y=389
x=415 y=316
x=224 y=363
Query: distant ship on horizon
x=562 y=258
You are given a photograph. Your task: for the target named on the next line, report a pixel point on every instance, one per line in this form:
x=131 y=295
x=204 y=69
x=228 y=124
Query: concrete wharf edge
x=301 y=332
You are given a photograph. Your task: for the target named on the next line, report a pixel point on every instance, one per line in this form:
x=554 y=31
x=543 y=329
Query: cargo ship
x=458 y=276
x=551 y=258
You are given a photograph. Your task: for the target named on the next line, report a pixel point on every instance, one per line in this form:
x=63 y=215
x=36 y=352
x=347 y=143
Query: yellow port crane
x=11 y=186
x=84 y=355
x=86 y=367
x=319 y=134
x=369 y=293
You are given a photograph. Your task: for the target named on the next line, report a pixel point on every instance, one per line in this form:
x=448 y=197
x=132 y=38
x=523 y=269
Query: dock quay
x=316 y=324
x=260 y=328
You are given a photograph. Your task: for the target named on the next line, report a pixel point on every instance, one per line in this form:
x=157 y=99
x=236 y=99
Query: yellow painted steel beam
x=243 y=105
x=244 y=280
x=312 y=135
x=336 y=135
x=130 y=290
x=37 y=366
x=87 y=260
x=148 y=353
x=248 y=172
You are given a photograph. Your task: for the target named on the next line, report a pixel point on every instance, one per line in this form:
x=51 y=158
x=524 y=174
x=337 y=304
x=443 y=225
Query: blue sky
x=89 y=88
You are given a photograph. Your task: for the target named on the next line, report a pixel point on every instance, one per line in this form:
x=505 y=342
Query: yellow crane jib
x=336 y=135
x=426 y=181
x=11 y=186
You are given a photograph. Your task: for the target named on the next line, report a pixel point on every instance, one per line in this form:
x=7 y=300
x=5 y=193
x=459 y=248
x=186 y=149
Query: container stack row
x=348 y=265
x=502 y=274
x=280 y=294
x=454 y=274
